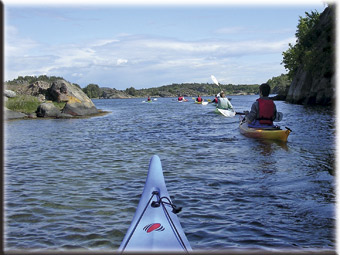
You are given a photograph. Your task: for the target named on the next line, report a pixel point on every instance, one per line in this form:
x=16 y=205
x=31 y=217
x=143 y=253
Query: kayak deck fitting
x=155 y=225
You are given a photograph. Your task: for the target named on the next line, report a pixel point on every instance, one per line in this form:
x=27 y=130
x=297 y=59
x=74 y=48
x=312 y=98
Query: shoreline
x=27 y=117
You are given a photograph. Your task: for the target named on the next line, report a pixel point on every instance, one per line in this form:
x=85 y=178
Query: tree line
x=187 y=89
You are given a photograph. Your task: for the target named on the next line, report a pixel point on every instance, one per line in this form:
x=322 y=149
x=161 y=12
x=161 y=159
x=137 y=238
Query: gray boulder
x=79 y=109
x=10 y=115
x=10 y=93
x=59 y=91
x=48 y=110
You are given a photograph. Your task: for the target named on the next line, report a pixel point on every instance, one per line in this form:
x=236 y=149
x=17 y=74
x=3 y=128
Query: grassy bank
x=27 y=104
x=23 y=103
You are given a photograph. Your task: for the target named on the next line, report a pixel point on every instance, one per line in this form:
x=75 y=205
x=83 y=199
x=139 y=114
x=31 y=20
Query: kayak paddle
x=214 y=80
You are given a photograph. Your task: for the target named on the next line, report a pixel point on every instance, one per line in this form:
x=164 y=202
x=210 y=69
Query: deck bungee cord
x=174 y=210
x=156 y=204
x=155 y=225
x=140 y=217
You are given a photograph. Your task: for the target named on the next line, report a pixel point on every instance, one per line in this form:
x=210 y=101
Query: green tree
x=303 y=52
x=92 y=91
x=279 y=84
x=131 y=91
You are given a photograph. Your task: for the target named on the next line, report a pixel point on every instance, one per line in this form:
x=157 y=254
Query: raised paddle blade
x=214 y=80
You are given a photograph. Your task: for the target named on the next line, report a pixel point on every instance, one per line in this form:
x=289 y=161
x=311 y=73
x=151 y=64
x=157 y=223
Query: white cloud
x=16 y=45
x=104 y=42
x=141 y=61
x=77 y=74
x=121 y=61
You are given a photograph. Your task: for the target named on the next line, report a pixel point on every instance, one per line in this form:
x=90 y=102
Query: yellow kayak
x=202 y=103
x=271 y=134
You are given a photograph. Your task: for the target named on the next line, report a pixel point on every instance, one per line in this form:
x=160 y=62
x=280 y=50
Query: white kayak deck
x=154 y=226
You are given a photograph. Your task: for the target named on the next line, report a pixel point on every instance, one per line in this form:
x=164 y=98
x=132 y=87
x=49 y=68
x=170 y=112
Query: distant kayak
x=202 y=103
x=155 y=225
x=271 y=134
x=226 y=113
x=185 y=100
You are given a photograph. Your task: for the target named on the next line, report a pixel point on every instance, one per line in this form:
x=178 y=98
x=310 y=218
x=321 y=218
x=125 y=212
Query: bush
x=23 y=103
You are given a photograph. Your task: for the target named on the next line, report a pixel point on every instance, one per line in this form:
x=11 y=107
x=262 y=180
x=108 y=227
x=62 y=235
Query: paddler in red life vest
x=180 y=98
x=215 y=100
x=263 y=111
x=199 y=99
x=149 y=98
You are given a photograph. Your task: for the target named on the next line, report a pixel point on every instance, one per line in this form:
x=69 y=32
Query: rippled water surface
x=75 y=184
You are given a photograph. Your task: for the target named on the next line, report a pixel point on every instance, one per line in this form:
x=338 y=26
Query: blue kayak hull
x=154 y=226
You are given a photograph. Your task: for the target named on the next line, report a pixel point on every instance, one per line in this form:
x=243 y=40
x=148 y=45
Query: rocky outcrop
x=317 y=86
x=38 y=89
x=48 y=110
x=9 y=93
x=310 y=90
x=109 y=93
x=75 y=107
x=11 y=115
x=77 y=103
x=59 y=91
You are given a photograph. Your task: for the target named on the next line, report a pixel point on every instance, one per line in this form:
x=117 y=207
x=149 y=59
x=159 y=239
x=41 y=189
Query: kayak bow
x=226 y=113
x=155 y=226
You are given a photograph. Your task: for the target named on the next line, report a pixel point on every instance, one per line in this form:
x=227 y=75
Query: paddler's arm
x=228 y=104
x=275 y=113
x=278 y=115
x=251 y=116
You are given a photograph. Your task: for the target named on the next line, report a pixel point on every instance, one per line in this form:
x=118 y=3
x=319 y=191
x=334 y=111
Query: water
x=75 y=183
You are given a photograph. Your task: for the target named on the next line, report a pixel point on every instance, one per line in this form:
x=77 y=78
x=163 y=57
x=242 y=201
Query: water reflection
x=268 y=147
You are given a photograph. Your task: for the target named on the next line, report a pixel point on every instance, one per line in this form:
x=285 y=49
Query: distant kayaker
x=199 y=99
x=223 y=102
x=180 y=98
x=215 y=100
x=263 y=111
x=149 y=98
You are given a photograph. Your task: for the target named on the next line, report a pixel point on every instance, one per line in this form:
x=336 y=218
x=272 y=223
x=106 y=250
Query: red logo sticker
x=155 y=226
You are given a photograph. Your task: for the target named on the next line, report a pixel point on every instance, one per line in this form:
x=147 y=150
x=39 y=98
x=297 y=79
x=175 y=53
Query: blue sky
x=141 y=46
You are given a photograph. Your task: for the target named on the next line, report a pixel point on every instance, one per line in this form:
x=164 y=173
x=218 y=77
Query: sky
x=150 y=45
